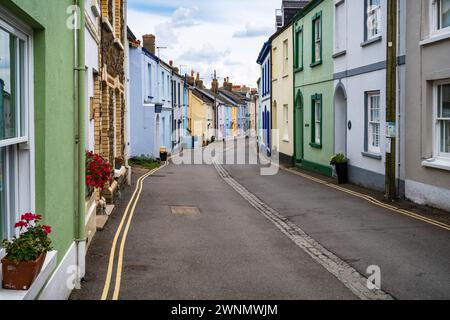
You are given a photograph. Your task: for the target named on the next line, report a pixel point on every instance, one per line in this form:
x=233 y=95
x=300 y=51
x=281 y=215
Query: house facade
x=427 y=142
x=45 y=141
x=164 y=114
x=144 y=101
x=282 y=94
x=264 y=135
x=177 y=109
x=313 y=86
x=360 y=89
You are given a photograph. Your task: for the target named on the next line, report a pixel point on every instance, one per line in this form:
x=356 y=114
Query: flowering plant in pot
x=25 y=254
x=340 y=162
x=98 y=170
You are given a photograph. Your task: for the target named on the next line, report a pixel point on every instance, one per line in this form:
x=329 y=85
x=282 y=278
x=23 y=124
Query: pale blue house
x=151 y=110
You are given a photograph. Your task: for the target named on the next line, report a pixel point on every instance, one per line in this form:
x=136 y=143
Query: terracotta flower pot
x=21 y=275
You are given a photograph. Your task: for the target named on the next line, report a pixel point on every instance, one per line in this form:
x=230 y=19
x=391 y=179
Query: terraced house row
x=80 y=95
x=368 y=79
x=64 y=92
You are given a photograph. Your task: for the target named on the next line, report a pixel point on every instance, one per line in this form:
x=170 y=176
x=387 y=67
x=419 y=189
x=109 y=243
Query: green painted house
x=313 y=86
x=42 y=155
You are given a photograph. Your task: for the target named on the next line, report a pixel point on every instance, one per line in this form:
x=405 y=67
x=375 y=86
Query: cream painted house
x=282 y=94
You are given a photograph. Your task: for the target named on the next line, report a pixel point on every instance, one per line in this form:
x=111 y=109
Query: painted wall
x=313 y=80
x=165 y=97
x=55 y=158
x=143 y=96
x=424 y=66
x=282 y=93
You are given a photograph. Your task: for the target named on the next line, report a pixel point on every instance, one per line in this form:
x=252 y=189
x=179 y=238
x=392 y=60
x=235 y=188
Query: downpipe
x=80 y=163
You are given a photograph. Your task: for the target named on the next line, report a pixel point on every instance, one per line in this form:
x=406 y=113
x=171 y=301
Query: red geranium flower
x=47 y=229
x=21 y=224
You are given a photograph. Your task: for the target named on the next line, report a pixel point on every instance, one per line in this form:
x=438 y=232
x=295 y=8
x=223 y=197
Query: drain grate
x=187 y=211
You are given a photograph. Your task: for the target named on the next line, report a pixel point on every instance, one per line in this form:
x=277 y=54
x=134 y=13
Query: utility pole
x=391 y=101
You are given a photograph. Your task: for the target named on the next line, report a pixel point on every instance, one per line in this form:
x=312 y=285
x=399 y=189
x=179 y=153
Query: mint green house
x=42 y=159
x=313 y=86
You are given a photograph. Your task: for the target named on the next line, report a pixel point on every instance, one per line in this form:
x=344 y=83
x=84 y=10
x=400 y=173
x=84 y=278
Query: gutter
x=80 y=163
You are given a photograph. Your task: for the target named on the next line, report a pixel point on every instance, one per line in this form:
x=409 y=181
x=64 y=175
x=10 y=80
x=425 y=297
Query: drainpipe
x=79 y=95
x=127 y=94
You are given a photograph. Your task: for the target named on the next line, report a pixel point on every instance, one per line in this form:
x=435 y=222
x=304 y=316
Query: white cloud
x=184 y=17
x=251 y=31
x=202 y=34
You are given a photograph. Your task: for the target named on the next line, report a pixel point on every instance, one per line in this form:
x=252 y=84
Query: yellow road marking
x=373 y=200
x=119 y=229
x=124 y=239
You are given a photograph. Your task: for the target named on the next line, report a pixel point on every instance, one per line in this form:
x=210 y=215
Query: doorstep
x=32 y=293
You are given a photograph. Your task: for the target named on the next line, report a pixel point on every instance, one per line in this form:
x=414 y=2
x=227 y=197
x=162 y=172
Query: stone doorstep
x=101 y=222
x=102 y=219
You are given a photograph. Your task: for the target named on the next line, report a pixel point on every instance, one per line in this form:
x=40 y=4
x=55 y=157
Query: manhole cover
x=189 y=211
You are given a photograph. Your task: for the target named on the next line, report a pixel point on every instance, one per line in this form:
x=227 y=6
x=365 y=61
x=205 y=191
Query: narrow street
x=221 y=232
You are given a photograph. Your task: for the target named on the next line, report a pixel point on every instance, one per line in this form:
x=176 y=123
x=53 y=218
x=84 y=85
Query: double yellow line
x=132 y=204
x=373 y=200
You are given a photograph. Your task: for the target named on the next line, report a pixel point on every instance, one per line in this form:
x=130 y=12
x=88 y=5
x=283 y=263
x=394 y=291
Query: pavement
x=228 y=249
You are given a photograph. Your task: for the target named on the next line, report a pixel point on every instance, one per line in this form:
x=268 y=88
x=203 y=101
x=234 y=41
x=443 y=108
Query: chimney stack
x=171 y=63
x=198 y=82
x=215 y=84
x=190 y=79
x=227 y=85
x=149 y=41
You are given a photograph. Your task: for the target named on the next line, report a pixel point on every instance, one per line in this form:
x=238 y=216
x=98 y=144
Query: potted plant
x=340 y=162
x=98 y=170
x=26 y=253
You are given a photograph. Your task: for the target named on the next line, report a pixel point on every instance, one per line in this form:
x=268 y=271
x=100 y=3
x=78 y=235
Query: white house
x=360 y=88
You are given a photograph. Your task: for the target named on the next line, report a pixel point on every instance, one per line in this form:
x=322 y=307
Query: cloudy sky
x=208 y=35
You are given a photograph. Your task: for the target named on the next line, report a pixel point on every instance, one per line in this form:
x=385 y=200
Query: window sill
x=106 y=22
x=372 y=155
x=437 y=164
x=38 y=284
x=95 y=9
x=119 y=44
x=298 y=69
x=339 y=54
x=315 y=145
x=371 y=41
x=315 y=64
x=435 y=38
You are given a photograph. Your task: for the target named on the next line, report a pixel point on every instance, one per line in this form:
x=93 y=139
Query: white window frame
x=285 y=56
x=371 y=11
x=286 y=123
x=318 y=121
x=24 y=156
x=318 y=39
x=340 y=27
x=372 y=122
x=436 y=130
x=436 y=30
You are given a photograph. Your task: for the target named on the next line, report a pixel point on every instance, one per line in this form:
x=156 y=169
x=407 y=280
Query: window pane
x=23 y=114
x=7 y=192
x=444 y=101
x=445 y=136
x=445 y=13
x=8 y=86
